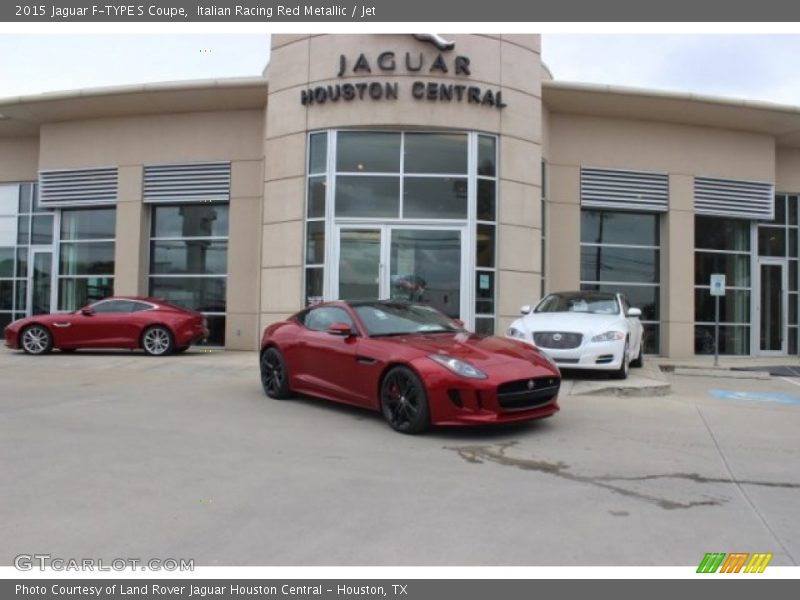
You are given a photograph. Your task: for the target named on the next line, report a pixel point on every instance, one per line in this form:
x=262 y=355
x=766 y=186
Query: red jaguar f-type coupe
x=409 y=361
x=120 y=322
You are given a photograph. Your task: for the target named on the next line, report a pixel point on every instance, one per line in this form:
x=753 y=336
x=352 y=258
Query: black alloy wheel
x=274 y=378
x=403 y=401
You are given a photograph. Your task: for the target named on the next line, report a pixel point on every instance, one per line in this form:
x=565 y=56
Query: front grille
x=527 y=393
x=567 y=361
x=561 y=340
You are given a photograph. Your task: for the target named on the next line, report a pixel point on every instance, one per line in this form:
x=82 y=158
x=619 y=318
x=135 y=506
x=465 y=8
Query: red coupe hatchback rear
x=408 y=361
x=120 y=322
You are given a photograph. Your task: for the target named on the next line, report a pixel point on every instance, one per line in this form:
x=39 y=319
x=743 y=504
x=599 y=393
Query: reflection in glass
x=190 y=220
x=316 y=197
x=485 y=246
x=651 y=338
x=359 y=264
x=205 y=294
x=315 y=240
x=792 y=201
x=197 y=257
x=25 y=198
x=7 y=262
x=314 y=279
x=609 y=227
x=94 y=258
x=75 y=293
x=733 y=339
x=426 y=267
x=771 y=308
x=92 y=224
x=772 y=241
x=6 y=294
x=486 y=200
x=367 y=152
x=434 y=198
x=487 y=155
x=643 y=297
x=435 y=153
x=714 y=233
x=736 y=268
x=780 y=210
x=368 y=197
x=42 y=272
x=606 y=263
x=484 y=292
x=484 y=326
x=42 y=229
x=24 y=231
x=734 y=307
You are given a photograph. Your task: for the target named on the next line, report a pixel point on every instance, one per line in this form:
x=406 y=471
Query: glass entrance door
x=417 y=264
x=40 y=282
x=772 y=318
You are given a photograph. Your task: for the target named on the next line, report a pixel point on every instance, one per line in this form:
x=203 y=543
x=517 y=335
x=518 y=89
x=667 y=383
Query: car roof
x=586 y=293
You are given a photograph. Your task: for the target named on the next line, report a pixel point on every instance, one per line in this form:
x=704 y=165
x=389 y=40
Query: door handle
x=62 y=325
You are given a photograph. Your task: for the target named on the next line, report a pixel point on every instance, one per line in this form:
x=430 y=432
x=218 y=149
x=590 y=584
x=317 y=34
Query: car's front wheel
x=404 y=402
x=274 y=377
x=639 y=362
x=157 y=341
x=625 y=366
x=36 y=339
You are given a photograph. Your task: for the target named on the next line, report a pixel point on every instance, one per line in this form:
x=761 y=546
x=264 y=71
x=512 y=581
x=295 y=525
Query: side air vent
x=190 y=182
x=624 y=190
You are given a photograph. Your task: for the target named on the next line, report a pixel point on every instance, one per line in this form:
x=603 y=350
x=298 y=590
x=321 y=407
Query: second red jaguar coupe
x=410 y=362
x=120 y=322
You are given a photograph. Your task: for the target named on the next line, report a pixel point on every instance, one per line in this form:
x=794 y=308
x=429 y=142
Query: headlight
x=459 y=367
x=609 y=336
x=513 y=332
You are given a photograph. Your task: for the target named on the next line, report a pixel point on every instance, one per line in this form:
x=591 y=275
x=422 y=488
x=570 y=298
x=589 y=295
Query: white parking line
x=792 y=381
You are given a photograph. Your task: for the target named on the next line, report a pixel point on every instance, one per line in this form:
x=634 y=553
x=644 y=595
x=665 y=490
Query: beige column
x=677 y=277
x=244 y=252
x=130 y=252
x=563 y=228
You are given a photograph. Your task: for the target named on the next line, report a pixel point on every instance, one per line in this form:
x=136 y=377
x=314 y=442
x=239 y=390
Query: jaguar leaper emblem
x=557 y=337
x=436 y=40
x=531 y=384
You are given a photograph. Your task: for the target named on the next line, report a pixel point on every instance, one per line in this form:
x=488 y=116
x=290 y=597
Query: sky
x=757 y=67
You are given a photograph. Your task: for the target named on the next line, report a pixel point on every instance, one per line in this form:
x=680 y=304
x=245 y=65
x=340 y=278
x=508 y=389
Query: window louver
x=78 y=187
x=187 y=183
x=729 y=198
x=624 y=190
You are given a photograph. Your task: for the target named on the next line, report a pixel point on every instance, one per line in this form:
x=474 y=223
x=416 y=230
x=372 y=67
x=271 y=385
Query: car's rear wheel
x=157 y=341
x=36 y=339
x=625 y=366
x=404 y=402
x=274 y=377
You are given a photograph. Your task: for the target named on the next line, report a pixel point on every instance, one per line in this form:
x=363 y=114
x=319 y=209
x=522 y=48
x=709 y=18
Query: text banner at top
x=445 y=11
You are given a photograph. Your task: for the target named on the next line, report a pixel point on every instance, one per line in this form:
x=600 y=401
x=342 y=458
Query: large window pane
x=608 y=227
x=206 y=294
x=94 y=224
x=9 y=198
x=74 y=293
x=368 y=197
x=435 y=153
x=434 y=198
x=8 y=231
x=318 y=153
x=42 y=229
x=189 y=256
x=6 y=294
x=734 y=307
x=368 y=152
x=190 y=220
x=605 y=263
x=735 y=267
x=7 y=262
x=93 y=258
x=714 y=233
x=732 y=339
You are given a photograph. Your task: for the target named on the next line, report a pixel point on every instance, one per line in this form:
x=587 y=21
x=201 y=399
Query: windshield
x=589 y=302
x=390 y=318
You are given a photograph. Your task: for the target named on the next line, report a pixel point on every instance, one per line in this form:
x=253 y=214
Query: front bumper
x=596 y=356
x=11 y=336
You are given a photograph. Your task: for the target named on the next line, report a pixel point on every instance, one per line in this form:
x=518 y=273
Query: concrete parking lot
x=121 y=455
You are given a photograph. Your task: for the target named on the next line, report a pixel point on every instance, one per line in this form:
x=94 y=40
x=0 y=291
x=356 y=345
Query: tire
x=639 y=362
x=274 y=376
x=157 y=341
x=625 y=367
x=36 y=339
x=404 y=403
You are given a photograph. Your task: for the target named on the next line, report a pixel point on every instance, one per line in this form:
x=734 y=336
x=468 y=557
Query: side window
x=113 y=306
x=320 y=319
x=139 y=306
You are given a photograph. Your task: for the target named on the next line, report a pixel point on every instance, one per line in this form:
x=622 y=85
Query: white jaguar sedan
x=584 y=330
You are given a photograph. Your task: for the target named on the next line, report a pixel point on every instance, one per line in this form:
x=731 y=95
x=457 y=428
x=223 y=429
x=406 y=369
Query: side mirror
x=526 y=309
x=342 y=329
x=87 y=311
x=634 y=312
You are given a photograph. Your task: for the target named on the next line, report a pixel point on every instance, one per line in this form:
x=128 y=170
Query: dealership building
x=394 y=166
